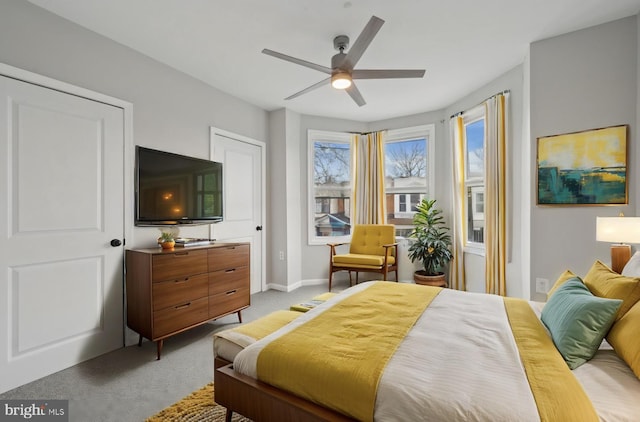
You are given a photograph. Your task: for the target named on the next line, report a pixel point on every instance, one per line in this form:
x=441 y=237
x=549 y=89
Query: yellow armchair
x=373 y=248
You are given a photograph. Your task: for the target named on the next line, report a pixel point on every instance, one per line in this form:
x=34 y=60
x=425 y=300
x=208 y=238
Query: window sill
x=317 y=241
x=474 y=250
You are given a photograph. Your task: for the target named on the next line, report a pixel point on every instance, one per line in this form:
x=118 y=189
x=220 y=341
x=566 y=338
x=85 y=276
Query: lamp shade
x=341 y=80
x=618 y=229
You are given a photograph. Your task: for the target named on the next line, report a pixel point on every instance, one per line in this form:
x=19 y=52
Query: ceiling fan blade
x=363 y=41
x=323 y=69
x=387 y=73
x=356 y=95
x=311 y=88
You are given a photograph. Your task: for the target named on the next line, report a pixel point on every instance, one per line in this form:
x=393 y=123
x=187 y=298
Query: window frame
x=469 y=117
x=428 y=132
x=314 y=136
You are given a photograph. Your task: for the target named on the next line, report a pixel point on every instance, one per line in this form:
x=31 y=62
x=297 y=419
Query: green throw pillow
x=578 y=321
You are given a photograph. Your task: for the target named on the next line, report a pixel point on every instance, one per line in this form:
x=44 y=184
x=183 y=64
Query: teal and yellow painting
x=583 y=168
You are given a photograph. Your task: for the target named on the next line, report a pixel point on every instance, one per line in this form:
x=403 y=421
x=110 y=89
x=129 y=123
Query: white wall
x=171 y=111
x=582 y=80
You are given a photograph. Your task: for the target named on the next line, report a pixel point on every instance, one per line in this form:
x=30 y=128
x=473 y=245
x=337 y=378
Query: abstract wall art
x=583 y=168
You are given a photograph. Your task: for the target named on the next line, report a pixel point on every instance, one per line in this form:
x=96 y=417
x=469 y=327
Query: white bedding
x=475 y=350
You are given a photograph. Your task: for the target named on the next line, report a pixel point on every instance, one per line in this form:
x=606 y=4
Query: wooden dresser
x=170 y=291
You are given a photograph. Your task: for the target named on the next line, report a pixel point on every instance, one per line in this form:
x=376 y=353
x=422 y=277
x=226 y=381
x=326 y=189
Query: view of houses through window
x=474 y=175
x=408 y=179
x=331 y=185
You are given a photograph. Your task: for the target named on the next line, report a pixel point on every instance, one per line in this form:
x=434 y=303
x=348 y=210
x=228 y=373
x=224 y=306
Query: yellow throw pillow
x=602 y=281
x=560 y=281
x=624 y=338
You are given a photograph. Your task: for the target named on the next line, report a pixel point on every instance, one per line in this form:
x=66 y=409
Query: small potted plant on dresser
x=167 y=240
x=430 y=244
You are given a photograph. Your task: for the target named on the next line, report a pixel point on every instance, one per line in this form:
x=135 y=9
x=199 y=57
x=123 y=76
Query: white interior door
x=243 y=166
x=61 y=204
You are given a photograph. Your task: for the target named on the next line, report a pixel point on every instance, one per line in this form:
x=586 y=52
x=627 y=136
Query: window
x=409 y=173
x=409 y=167
x=474 y=176
x=330 y=185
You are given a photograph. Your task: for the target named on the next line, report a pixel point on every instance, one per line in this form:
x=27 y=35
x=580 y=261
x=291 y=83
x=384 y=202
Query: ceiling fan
x=342 y=65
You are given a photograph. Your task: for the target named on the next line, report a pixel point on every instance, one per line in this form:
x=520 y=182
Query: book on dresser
x=186 y=242
x=170 y=291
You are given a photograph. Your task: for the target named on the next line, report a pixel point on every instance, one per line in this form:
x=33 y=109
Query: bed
x=460 y=359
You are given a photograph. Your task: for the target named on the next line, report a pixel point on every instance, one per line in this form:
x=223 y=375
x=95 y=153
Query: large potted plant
x=430 y=244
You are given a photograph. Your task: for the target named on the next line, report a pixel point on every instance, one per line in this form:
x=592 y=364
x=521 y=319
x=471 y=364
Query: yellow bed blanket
x=349 y=346
x=339 y=357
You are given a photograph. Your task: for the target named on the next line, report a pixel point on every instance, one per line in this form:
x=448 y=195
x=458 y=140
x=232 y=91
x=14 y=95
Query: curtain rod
x=366 y=133
x=460 y=113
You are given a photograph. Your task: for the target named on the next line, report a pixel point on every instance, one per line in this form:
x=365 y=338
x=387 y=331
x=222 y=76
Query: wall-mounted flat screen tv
x=176 y=189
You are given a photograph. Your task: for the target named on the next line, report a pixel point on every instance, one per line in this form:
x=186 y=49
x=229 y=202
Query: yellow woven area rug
x=196 y=407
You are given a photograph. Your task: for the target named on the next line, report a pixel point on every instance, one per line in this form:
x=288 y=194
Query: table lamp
x=620 y=231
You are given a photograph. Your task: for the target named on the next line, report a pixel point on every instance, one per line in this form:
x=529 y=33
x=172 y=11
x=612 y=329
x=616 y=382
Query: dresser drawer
x=223 y=281
x=231 y=301
x=175 y=292
x=168 y=320
x=180 y=264
x=226 y=257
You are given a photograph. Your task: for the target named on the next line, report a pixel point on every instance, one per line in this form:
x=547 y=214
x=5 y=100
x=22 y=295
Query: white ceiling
x=462 y=44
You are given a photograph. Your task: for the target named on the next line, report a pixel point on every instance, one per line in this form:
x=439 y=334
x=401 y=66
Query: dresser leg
x=159 y=344
x=140 y=341
x=240 y=317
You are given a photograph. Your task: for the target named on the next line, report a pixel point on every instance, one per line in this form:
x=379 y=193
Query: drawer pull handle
x=230 y=292
x=181 y=253
x=186 y=305
x=230 y=271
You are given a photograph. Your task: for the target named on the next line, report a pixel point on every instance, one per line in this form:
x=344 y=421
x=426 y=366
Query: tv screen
x=176 y=189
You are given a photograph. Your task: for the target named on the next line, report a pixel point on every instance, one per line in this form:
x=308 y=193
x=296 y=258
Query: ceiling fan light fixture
x=341 y=80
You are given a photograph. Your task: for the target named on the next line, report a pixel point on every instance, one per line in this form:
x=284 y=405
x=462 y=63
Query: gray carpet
x=130 y=385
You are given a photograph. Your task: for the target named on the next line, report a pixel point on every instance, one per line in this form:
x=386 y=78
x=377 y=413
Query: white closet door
x=61 y=204
x=243 y=165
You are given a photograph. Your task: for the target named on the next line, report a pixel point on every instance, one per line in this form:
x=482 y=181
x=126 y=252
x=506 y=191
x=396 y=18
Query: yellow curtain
x=495 y=210
x=456 y=267
x=368 y=193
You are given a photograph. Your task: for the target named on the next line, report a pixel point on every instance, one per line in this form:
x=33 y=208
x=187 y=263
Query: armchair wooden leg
x=330 y=277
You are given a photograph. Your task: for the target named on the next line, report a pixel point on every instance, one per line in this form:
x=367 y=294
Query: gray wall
x=586 y=79
x=582 y=80
x=171 y=111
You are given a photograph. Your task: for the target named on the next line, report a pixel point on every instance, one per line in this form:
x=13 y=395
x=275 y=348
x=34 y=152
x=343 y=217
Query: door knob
x=115 y=243
x=259 y=228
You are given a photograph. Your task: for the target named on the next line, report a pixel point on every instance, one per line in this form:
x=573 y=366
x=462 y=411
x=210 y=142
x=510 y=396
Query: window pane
x=332 y=188
x=474 y=135
x=406 y=180
x=475 y=214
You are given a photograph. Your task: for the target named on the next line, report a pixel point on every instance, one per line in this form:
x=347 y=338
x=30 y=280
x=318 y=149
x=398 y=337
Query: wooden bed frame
x=262 y=402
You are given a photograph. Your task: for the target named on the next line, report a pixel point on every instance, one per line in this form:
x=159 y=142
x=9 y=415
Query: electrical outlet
x=281 y=255
x=542 y=285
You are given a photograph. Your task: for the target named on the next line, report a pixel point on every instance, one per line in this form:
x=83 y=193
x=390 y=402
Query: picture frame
x=583 y=168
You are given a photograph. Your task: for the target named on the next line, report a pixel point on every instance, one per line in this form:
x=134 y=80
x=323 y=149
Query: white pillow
x=632 y=268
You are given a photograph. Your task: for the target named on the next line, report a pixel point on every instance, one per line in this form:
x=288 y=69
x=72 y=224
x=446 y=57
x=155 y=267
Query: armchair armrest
x=386 y=250
x=334 y=245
